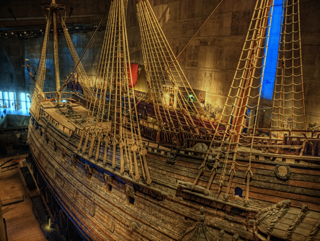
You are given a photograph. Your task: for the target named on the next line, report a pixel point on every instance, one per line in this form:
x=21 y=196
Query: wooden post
x=55 y=50
x=98 y=147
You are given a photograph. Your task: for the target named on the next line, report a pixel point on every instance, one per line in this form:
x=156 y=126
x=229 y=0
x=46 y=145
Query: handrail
x=56 y=123
x=64 y=95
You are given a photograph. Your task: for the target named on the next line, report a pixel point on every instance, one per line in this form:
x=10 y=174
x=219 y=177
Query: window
x=238 y=191
x=1 y=99
x=271 y=59
x=25 y=101
x=5 y=99
x=12 y=100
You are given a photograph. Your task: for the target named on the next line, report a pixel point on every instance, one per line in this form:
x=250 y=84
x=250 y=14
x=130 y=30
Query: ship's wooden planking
x=109 y=206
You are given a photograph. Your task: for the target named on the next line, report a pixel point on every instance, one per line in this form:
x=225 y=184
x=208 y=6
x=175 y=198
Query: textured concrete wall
x=310 y=37
x=211 y=59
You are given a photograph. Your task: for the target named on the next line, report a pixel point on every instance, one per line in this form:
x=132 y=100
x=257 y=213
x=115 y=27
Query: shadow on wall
x=6 y=72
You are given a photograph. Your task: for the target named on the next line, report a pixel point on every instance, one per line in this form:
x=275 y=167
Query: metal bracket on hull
x=130 y=194
x=109 y=181
x=90 y=171
x=74 y=161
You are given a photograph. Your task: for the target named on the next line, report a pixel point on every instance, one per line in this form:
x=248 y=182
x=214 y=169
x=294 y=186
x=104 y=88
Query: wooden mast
x=55 y=48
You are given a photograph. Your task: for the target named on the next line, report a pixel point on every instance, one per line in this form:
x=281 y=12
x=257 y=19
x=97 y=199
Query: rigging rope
x=114 y=98
x=288 y=109
x=94 y=34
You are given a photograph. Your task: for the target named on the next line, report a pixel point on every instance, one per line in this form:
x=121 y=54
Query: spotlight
x=25 y=32
x=12 y=33
x=40 y=30
x=5 y=34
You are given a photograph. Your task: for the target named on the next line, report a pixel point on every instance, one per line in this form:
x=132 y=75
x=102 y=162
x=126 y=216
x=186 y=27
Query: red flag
x=134 y=72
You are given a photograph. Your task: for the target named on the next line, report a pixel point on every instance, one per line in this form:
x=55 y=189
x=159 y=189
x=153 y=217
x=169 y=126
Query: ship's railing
x=64 y=95
x=168 y=150
x=56 y=123
x=288 y=132
x=80 y=99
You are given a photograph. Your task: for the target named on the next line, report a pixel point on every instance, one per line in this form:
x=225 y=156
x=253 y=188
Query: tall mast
x=54 y=8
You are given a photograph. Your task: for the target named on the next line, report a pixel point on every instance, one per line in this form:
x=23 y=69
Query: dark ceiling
x=27 y=18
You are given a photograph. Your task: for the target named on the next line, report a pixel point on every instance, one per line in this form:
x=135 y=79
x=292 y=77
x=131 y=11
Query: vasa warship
x=185 y=177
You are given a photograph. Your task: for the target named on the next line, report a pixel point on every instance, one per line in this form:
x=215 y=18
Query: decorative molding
x=199 y=230
x=280 y=175
x=151 y=192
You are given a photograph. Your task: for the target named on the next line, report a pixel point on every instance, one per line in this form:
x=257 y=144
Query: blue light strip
x=271 y=59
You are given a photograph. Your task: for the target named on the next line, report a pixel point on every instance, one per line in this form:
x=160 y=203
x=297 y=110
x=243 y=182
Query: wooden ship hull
x=115 y=185
x=107 y=205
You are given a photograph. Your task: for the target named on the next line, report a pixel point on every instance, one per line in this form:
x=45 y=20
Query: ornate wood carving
x=74 y=160
x=199 y=230
x=297 y=221
x=109 y=181
x=63 y=153
x=285 y=207
x=314 y=232
x=172 y=159
x=274 y=212
x=130 y=192
x=151 y=192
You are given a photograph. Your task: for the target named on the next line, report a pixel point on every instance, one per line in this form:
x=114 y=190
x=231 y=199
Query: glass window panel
x=11 y=96
x=23 y=97
x=1 y=95
x=5 y=95
x=271 y=58
x=23 y=105
x=1 y=103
